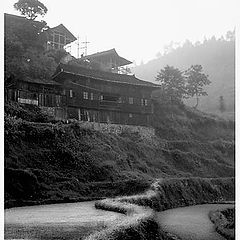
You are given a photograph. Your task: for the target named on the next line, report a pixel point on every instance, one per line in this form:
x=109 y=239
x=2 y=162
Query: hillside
x=48 y=161
x=218 y=60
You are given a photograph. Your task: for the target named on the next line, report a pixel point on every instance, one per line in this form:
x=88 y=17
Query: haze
x=139 y=29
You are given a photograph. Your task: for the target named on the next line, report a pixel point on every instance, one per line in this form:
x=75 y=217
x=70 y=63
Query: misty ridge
x=217 y=57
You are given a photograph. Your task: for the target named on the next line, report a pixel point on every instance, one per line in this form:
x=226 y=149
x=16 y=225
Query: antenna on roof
x=78 y=46
x=85 y=47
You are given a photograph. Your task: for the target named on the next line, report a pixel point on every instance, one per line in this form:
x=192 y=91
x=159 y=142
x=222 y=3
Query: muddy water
x=65 y=221
x=191 y=223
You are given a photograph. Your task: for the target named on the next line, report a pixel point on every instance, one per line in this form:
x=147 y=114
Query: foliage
x=171 y=193
x=29 y=113
x=31 y=8
x=172 y=83
x=27 y=184
x=210 y=54
x=25 y=55
x=72 y=162
x=24 y=45
x=39 y=65
x=56 y=54
x=196 y=80
x=31 y=64
x=31 y=34
x=224 y=222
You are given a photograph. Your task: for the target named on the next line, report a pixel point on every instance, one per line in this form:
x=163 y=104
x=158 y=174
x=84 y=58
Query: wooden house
x=108 y=61
x=100 y=96
x=47 y=94
x=53 y=38
x=89 y=94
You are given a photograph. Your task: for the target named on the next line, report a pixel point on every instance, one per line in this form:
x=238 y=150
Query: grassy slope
x=46 y=161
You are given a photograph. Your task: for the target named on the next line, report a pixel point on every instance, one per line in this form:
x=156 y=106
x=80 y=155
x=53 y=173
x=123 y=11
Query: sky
x=138 y=30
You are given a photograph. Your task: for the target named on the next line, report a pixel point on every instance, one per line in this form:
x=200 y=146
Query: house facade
x=98 y=96
x=58 y=37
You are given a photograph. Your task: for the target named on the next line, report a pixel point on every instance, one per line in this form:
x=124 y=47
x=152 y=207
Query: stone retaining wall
x=146 y=132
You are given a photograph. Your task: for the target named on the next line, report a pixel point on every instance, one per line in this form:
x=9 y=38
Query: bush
x=224 y=222
x=20 y=184
x=26 y=112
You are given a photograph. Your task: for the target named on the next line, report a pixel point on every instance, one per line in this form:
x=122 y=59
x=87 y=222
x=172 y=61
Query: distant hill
x=217 y=56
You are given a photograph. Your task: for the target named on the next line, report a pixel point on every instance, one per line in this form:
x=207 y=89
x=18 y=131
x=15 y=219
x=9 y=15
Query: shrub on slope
x=70 y=162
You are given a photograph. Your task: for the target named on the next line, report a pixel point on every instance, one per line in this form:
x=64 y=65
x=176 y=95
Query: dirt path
x=191 y=223
x=56 y=221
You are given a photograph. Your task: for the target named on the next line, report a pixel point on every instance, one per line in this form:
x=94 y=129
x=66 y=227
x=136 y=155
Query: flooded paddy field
x=56 y=221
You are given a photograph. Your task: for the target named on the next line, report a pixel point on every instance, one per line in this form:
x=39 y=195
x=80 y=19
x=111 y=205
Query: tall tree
x=222 y=107
x=196 y=80
x=31 y=8
x=172 y=82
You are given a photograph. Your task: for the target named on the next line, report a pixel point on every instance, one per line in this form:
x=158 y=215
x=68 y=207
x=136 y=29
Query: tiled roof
x=101 y=75
x=112 y=52
x=15 y=19
x=40 y=81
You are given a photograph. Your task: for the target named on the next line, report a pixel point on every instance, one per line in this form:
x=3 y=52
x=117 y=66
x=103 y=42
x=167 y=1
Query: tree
x=31 y=63
x=172 y=82
x=222 y=107
x=230 y=36
x=24 y=44
x=31 y=8
x=56 y=54
x=196 y=80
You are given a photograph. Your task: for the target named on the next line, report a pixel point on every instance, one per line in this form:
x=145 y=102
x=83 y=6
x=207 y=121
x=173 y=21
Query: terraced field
x=56 y=221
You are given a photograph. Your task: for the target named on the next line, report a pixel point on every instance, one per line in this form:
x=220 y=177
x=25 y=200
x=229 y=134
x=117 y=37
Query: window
x=62 y=39
x=70 y=93
x=120 y=100
x=56 y=38
x=130 y=100
x=91 y=96
x=58 y=100
x=50 y=37
x=56 y=46
x=85 y=95
x=110 y=98
x=144 y=102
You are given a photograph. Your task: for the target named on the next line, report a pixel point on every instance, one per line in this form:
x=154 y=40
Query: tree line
x=177 y=85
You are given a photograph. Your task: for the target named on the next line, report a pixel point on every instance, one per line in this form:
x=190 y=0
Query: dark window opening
x=62 y=39
x=110 y=98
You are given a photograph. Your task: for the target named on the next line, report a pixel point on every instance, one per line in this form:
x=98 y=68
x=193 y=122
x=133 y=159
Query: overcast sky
x=138 y=30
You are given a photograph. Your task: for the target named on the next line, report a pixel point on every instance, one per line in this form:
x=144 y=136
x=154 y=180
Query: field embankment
x=224 y=222
x=48 y=161
x=141 y=222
